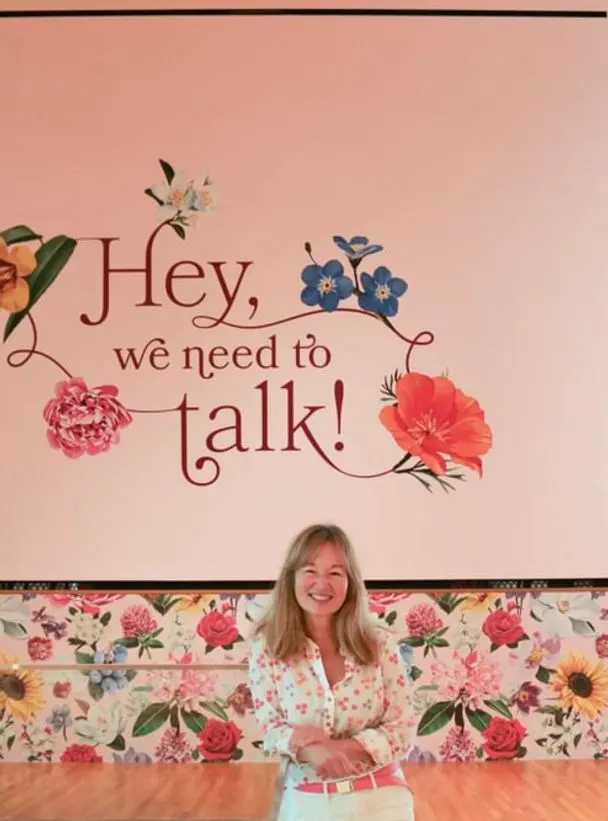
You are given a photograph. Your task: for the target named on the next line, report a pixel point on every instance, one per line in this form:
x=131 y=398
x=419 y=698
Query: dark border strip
x=248 y=586
x=305 y=12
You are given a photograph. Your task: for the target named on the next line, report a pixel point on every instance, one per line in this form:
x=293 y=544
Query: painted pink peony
x=84 y=420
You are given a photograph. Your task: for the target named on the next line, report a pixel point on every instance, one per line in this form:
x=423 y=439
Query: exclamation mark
x=339 y=399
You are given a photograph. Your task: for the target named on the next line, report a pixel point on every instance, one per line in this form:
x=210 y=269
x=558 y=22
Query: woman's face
x=322 y=583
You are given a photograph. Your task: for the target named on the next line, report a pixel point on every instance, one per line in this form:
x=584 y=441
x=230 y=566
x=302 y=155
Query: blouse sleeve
x=271 y=719
x=389 y=739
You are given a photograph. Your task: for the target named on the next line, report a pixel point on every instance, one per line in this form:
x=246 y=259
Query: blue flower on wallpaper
x=381 y=292
x=132 y=757
x=325 y=285
x=407 y=656
x=357 y=247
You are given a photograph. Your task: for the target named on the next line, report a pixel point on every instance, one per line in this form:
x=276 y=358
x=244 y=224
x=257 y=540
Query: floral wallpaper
x=493 y=676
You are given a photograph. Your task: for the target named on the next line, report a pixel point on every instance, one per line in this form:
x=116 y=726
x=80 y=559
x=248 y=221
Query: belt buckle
x=345 y=786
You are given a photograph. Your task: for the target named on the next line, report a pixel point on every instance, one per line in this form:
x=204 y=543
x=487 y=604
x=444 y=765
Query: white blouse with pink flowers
x=370 y=704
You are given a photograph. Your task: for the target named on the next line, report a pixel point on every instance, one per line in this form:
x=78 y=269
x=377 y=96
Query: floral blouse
x=370 y=704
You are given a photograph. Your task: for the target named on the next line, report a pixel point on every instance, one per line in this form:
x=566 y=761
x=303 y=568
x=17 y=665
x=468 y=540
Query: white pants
x=391 y=803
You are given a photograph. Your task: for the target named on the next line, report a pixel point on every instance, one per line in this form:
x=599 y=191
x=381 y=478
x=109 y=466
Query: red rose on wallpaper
x=83 y=420
x=218 y=629
x=503 y=627
x=433 y=419
x=218 y=739
x=503 y=737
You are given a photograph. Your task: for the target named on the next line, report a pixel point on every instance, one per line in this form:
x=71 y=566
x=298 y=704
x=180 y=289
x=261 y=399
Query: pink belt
x=391 y=775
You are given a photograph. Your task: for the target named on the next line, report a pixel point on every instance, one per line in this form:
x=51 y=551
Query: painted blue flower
x=325 y=285
x=381 y=292
x=407 y=657
x=357 y=247
x=132 y=757
x=416 y=753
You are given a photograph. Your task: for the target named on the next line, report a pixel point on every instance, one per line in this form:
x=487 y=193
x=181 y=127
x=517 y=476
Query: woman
x=329 y=689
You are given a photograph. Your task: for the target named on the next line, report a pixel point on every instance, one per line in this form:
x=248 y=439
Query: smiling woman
x=329 y=687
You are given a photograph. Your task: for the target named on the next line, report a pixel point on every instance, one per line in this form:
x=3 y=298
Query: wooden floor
x=517 y=791
x=113 y=792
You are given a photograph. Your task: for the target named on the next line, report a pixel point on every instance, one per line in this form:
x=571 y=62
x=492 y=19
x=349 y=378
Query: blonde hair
x=282 y=625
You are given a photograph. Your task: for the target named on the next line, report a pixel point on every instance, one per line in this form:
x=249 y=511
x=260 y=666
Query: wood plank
x=152 y=792
x=510 y=790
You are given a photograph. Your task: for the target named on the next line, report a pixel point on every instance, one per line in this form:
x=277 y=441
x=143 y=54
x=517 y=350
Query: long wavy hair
x=282 y=625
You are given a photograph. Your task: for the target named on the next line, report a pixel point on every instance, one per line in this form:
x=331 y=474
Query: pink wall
x=472 y=151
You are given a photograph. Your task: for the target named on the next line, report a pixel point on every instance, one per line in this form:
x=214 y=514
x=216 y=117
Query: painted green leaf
x=151 y=718
x=543 y=675
x=118 y=744
x=412 y=641
x=194 y=720
x=95 y=691
x=478 y=719
x=214 y=708
x=84 y=658
x=19 y=233
x=167 y=171
x=499 y=707
x=436 y=717
x=179 y=229
x=154 y=644
x=415 y=672
x=174 y=717
x=163 y=603
x=130 y=642
x=51 y=258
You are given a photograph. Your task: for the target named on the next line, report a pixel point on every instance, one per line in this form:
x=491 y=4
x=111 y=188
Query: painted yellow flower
x=194 y=603
x=478 y=602
x=21 y=691
x=16 y=263
x=582 y=684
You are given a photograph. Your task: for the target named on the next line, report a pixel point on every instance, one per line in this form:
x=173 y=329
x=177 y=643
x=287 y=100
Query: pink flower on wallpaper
x=458 y=746
x=422 y=620
x=186 y=687
x=379 y=601
x=83 y=420
x=173 y=748
x=87 y=602
x=542 y=648
x=473 y=678
x=527 y=696
x=137 y=621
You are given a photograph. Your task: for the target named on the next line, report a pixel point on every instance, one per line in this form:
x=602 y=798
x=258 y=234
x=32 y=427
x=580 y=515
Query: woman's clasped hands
x=323 y=753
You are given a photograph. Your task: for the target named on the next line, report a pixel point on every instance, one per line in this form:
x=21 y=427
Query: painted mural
x=438 y=430
x=492 y=676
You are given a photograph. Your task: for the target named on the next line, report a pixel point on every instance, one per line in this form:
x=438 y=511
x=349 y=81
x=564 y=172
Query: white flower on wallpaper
x=566 y=613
